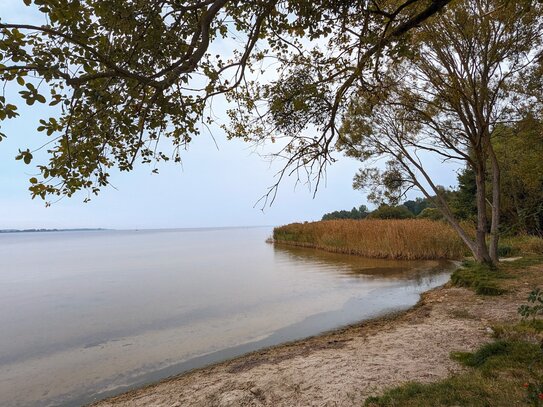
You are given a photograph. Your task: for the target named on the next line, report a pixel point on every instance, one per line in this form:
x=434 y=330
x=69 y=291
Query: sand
x=344 y=367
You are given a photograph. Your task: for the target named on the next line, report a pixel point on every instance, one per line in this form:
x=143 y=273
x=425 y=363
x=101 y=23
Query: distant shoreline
x=49 y=230
x=181 y=229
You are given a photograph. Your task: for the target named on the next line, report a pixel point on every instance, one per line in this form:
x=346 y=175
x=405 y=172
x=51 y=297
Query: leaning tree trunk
x=443 y=206
x=494 y=232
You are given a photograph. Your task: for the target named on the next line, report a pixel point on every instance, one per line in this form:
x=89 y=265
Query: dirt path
x=343 y=368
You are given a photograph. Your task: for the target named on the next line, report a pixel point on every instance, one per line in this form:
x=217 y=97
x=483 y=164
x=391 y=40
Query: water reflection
x=359 y=267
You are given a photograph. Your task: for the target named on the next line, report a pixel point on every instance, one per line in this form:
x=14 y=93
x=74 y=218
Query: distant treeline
x=409 y=209
x=45 y=230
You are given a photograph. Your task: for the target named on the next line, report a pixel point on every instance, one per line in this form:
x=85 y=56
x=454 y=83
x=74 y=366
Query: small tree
x=391 y=212
x=417 y=206
x=446 y=99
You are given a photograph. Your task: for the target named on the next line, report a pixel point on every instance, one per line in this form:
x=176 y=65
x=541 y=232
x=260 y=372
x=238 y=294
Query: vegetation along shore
x=394 y=239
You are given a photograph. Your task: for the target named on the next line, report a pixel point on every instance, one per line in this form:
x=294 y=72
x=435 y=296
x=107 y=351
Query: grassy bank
x=394 y=239
x=500 y=373
x=492 y=281
x=505 y=372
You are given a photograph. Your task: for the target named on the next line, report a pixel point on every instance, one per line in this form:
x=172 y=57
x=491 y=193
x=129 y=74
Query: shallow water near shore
x=85 y=315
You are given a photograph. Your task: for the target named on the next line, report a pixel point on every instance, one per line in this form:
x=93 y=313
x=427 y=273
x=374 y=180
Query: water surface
x=89 y=314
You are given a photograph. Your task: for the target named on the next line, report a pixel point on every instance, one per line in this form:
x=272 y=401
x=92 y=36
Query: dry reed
x=393 y=239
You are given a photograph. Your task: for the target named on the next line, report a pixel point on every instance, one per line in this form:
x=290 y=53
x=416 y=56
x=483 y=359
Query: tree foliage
x=519 y=149
x=417 y=206
x=448 y=97
x=355 y=213
x=127 y=74
x=391 y=212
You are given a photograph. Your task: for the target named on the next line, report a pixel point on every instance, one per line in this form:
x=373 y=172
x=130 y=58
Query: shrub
x=431 y=213
x=505 y=251
x=391 y=212
x=536 y=308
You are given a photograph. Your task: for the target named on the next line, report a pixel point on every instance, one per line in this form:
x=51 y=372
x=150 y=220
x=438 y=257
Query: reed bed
x=409 y=239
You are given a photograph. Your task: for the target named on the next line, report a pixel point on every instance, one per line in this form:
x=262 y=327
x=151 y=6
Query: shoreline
x=347 y=365
x=250 y=354
x=371 y=323
x=290 y=335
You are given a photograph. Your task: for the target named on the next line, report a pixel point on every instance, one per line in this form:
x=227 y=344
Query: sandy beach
x=344 y=367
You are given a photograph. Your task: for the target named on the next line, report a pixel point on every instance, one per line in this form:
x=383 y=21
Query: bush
x=431 y=213
x=391 y=212
x=506 y=251
x=535 y=306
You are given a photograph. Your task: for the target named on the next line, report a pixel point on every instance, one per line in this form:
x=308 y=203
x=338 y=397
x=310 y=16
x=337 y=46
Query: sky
x=214 y=187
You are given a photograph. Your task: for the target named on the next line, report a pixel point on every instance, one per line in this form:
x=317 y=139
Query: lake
x=85 y=315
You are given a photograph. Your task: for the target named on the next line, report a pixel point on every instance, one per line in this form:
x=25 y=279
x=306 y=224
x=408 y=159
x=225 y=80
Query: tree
x=431 y=213
x=519 y=149
x=360 y=213
x=464 y=203
x=391 y=212
x=417 y=206
x=447 y=99
x=126 y=74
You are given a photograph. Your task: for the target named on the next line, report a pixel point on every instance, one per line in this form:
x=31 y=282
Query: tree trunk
x=494 y=232
x=461 y=232
x=481 y=253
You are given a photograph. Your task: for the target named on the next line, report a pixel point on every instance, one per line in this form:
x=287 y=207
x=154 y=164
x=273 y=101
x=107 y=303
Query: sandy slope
x=342 y=368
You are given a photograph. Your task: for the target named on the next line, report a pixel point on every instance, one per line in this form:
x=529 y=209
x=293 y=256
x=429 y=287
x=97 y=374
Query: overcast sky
x=214 y=187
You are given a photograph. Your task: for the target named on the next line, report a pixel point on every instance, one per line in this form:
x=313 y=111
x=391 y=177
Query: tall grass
x=523 y=244
x=393 y=239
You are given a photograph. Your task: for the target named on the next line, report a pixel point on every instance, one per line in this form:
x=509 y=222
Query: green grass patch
x=507 y=251
x=521 y=263
x=526 y=330
x=482 y=278
x=478 y=358
x=496 y=376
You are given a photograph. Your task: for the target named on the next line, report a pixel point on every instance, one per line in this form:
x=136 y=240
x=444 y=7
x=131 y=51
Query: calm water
x=84 y=315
